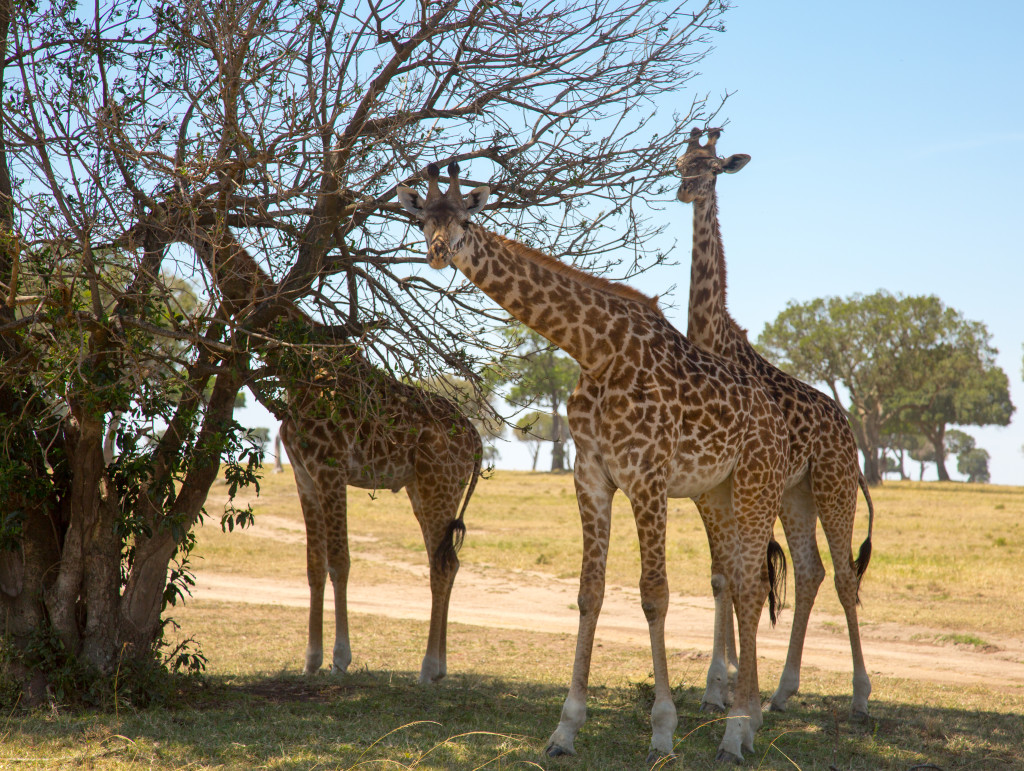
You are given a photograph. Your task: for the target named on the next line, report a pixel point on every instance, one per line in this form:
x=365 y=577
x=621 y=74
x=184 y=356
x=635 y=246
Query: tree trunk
x=558 y=443
x=142 y=600
x=866 y=431
x=938 y=441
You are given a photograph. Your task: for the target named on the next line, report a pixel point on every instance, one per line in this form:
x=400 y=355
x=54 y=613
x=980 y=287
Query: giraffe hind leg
x=837 y=519
x=435 y=506
x=799 y=522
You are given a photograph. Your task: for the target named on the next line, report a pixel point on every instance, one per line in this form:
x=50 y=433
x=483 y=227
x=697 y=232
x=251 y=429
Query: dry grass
x=946 y=557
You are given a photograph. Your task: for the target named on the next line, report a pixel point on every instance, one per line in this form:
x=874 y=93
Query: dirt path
x=534 y=601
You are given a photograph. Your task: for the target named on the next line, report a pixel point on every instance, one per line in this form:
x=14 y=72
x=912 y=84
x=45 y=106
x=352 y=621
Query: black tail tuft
x=864 y=555
x=776 y=579
x=447 y=551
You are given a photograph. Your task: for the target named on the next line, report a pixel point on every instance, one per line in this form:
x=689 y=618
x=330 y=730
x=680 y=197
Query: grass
x=946 y=556
x=936 y=563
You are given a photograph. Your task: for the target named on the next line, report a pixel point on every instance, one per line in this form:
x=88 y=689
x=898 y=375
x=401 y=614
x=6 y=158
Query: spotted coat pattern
x=384 y=434
x=652 y=415
x=822 y=471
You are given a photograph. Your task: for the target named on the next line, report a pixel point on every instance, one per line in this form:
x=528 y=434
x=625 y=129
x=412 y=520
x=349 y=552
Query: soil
x=526 y=600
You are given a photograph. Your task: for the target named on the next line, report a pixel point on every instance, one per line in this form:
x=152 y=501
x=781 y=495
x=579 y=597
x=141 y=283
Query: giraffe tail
x=450 y=544
x=864 y=555
x=776 y=579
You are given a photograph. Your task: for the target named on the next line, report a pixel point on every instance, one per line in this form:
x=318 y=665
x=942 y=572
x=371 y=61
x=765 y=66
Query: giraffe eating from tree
x=652 y=415
x=822 y=472
x=353 y=424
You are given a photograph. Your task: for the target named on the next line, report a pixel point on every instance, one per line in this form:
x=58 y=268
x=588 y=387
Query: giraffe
x=359 y=426
x=822 y=474
x=652 y=415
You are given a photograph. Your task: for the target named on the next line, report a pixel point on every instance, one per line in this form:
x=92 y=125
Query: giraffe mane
x=599 y=283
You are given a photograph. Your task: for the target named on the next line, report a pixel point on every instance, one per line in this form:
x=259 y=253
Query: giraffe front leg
x=315 y=639
x=714 y=507
x=338 y=565
x=316 y=558
x=750 y=590
x=594 y=497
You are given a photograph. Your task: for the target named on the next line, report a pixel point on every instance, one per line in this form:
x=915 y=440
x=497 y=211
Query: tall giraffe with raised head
x=652 y=415
x=355 y=425
x=822 y=472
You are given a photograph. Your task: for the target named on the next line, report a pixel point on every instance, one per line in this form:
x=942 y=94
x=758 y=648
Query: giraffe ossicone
x=652 y=415
x=822 y=471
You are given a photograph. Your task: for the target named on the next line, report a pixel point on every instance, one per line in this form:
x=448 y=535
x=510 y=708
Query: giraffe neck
x=709 y=324
x=586 y=316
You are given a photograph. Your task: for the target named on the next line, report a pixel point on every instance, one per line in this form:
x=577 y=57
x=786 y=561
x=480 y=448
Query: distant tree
x=535 y=428
x=950 y=378
x=902 y=445
x=479 y=404
x=278 y=451
x=971 y=460
x=542 y=376
x=924 y=453
x=974 y=464
x=907 y=364
x=260 y=437
x=527 y=431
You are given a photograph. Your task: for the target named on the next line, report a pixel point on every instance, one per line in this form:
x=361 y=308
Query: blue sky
x=887 y=144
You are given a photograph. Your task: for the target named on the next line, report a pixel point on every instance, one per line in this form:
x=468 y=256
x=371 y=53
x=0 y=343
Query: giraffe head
x=443 y=216
x=700 y=166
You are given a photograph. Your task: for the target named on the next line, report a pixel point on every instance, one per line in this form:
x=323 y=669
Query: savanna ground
x=942 y=620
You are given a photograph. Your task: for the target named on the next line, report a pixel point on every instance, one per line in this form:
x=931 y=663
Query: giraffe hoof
x=724 y=756
x=773 y=707
x=707 y=706
x=553 y=750
x=657 y=759
x=859 y=715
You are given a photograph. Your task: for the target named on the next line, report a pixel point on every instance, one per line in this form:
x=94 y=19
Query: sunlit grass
x=946 y=559
x=946 y=555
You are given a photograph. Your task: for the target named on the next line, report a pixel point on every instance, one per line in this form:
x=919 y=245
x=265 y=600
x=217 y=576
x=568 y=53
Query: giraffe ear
x=410 y=200
x=476 y=198
x=736 y=162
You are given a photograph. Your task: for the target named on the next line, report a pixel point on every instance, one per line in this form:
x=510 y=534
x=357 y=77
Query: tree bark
x=558 y=443
x=938 y=441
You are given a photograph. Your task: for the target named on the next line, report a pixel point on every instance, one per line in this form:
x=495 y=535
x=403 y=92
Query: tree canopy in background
x=145 y=143
x=907 y=365
x=541 y=376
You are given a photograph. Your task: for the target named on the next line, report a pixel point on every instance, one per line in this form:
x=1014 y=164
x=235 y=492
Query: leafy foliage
x=543 y=376
x=907 y=364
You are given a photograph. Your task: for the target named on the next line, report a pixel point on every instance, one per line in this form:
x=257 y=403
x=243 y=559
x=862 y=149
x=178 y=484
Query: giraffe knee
x=654 y=600
x=589 y=603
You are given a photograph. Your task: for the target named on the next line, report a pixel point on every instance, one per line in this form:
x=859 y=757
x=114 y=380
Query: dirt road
x=534 y=601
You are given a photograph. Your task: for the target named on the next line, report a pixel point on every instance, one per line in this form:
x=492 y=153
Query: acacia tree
x=535 y=428
x=146 y=141
x=542 y=376
x=907 y=365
